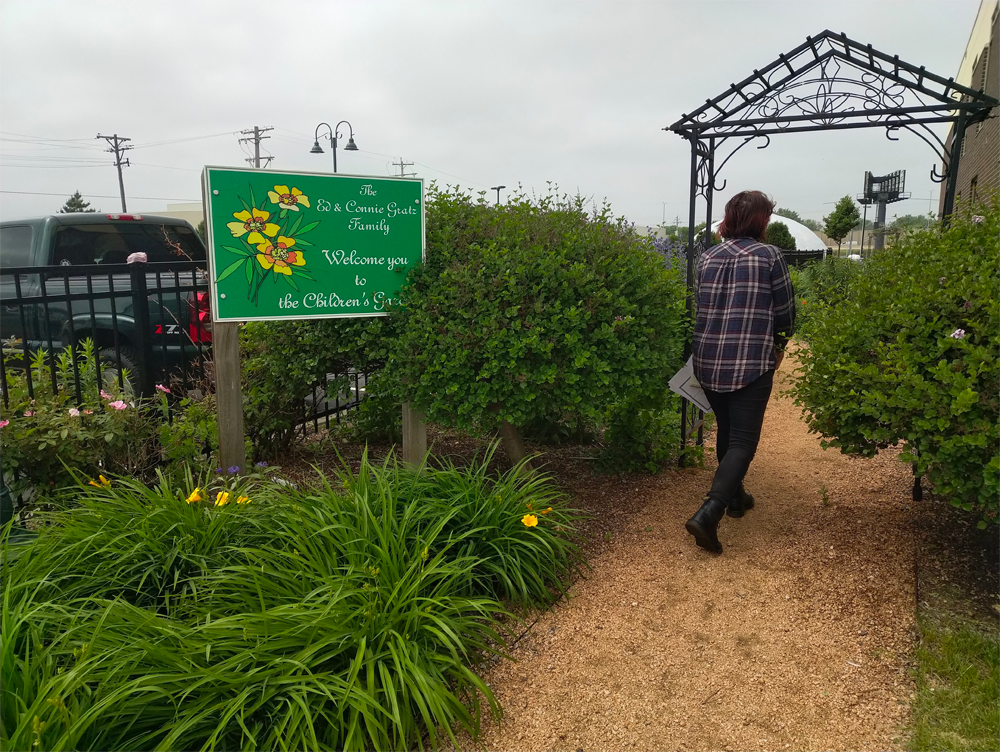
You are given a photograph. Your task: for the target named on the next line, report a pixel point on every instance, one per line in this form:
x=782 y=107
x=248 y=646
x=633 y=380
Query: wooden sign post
x=304 y=246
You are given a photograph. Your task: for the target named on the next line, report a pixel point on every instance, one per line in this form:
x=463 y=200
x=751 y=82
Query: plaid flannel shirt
x=746 y=312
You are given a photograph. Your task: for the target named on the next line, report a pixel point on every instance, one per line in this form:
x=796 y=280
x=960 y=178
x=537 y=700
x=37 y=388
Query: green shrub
x=49 y=435
x=533 y=311
x=350 y=617
x=820 y=285
x=911 y=355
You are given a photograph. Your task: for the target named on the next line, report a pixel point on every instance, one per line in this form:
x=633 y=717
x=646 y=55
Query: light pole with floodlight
x=334 y=135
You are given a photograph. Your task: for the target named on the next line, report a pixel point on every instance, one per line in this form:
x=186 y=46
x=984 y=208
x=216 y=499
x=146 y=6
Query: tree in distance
x=812 y=224
x=841 y=220
x=778 y=234
x=76 y=204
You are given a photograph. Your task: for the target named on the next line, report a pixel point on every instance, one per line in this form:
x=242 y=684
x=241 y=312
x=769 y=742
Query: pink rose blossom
x=74 y=412
x=28 y=413
x=105 y=395
x=161 y=388
x=958 y=334
x=88 y=412
x=118 y=405
x=4 y=423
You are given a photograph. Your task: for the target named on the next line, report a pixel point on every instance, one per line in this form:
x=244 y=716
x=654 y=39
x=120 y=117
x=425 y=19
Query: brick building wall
x=979 y=165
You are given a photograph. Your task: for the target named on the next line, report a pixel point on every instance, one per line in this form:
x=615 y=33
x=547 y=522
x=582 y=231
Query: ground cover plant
x=227 y=612
x=911 y=356
x=957 y=675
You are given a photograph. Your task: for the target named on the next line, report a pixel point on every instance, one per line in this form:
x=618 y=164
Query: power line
x=101 y=195
x=118 y=148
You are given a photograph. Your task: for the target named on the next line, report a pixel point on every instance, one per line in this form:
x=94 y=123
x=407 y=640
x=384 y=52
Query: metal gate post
x=143 y=335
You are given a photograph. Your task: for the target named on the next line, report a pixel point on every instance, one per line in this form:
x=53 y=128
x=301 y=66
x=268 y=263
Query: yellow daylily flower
x=288 y=199
x=529 y=520
x=104 y=482
x=255 y=222
x=195 y=496
x=276 y=254
x=243 y=500
x=222 y=498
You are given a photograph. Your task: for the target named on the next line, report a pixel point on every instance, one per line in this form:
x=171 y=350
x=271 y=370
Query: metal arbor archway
x=829 y=82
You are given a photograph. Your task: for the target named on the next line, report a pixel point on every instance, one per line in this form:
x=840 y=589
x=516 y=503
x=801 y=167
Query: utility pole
x=118 y=148
x=256 y=138
x=402 y=167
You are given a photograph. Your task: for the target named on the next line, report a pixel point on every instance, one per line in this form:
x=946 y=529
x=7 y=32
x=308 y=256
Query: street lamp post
x=333 y=136
x=497 y=188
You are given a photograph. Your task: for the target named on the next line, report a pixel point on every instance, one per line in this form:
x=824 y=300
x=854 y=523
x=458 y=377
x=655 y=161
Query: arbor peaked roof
x=832 y=82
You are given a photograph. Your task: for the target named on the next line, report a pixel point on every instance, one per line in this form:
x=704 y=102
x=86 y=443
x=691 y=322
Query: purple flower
x=260 y=464
x=218 y=470
x=234 y=469
x=958 y=334
x=968 y=304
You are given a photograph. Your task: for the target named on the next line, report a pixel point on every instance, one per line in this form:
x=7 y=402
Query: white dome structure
x=805 y=239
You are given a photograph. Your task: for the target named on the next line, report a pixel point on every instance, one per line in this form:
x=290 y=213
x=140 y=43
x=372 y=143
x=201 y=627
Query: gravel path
x=797 y=637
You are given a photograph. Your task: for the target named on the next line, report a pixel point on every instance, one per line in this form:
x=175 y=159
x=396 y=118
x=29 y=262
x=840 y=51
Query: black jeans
x=739 y=416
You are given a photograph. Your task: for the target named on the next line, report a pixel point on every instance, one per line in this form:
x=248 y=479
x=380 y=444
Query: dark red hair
x=747 y=215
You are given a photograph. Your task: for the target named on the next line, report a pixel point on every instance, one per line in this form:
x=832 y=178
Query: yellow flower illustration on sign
x=221 y=498
x=255 y=222
x=288 y=199
x=529 y=520
x=276 y=254
x=195 y=496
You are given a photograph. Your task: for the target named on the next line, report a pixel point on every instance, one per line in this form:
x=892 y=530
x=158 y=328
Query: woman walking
x=746 y=313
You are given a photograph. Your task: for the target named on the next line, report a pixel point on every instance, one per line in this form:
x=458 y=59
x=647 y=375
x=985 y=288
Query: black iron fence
x=801 y=258
x=148 y=324
x=333 y=398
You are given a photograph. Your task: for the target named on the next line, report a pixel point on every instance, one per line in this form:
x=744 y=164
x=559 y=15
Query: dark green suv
x=93 y=291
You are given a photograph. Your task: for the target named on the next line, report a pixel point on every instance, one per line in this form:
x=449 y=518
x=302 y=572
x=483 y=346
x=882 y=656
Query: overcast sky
x=474 y=93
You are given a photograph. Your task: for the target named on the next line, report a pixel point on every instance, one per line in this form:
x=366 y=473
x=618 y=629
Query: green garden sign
x=299 y=245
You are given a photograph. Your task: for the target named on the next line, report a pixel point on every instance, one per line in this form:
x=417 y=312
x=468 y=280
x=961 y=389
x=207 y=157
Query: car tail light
x=200 y=326
x=125 y=216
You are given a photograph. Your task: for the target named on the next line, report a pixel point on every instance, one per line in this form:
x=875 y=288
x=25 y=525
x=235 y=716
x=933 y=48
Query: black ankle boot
x=704 y=524
x=742 y=502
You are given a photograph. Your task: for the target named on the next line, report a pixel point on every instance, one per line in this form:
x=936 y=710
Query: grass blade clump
x=348 y=617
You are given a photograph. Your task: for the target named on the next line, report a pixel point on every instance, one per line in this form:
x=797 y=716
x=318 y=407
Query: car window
x=15 y=246
x=114 y=243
